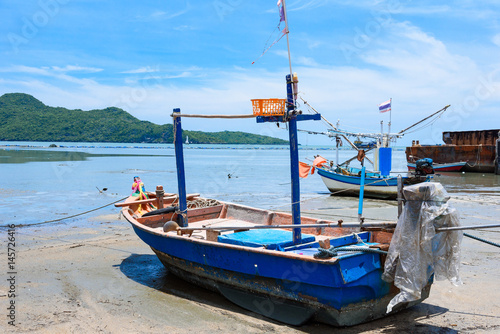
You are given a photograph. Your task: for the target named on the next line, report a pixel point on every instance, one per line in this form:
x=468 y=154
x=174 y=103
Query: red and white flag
x=385 y=106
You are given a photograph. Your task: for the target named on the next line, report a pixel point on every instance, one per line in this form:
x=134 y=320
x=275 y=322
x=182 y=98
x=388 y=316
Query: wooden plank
x=204 y=211
x=152 y=200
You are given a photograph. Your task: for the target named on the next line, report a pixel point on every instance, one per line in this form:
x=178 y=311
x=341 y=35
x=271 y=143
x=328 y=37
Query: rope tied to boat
x=333 y=251
x=482 y=240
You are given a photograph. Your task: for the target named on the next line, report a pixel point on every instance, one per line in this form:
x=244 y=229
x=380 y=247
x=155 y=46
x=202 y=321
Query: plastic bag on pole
x=417 y=252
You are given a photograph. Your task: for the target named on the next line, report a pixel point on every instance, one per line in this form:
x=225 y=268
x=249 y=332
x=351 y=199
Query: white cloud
x=306 y=61
x=496 y=39
x=160 y=15
x=146 y=69
x=423 y=10
x=73 y=68
x=421 y=73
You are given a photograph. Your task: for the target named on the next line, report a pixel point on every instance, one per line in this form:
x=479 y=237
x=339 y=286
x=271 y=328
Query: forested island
x=24 y=118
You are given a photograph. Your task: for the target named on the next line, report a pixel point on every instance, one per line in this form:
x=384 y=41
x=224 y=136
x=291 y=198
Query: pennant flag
x=282 y=11
x=385 y=106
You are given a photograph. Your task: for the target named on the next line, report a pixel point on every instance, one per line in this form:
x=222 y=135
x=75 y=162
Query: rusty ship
x=479 y=149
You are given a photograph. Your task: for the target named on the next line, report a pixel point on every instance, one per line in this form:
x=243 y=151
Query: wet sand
x=95 y=275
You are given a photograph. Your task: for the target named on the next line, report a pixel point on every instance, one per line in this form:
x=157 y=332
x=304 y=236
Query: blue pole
x=294 y=161
x=361 y=191
x=181 y=178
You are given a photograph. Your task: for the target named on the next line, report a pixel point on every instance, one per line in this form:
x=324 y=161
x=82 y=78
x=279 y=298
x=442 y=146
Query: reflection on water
x=470 y=182
x=16 y=156
x=23 y=156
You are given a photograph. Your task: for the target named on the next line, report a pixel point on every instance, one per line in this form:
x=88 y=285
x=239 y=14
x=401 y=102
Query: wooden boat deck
x=218 y=224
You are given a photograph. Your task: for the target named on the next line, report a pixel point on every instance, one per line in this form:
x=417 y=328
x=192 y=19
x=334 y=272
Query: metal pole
x=294 y=161
x=287 y=40
x=181 y=178
x=381 y=225
x=390 y=119
x=497 y=155
x=458 y=228
x=361 y=191
x=411 y=126
x=400 y=195
x=337 y=140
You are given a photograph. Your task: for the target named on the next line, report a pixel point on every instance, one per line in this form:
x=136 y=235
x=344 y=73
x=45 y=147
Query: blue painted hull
x=280 y=286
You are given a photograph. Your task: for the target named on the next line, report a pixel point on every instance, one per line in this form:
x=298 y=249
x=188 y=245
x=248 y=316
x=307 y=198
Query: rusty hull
x=479 y=158
x=480 y=137
x=477 y=148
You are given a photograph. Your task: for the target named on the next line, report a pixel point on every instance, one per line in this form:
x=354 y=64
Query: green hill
x=24 y=118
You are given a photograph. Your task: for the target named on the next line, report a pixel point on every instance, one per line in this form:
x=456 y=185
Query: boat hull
x=479 y=158
x=345 y=185
x=294 y=306
x=282 y=287
x=450 y=167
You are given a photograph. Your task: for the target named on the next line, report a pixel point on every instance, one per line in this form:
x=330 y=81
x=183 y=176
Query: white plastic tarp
x=417 y=251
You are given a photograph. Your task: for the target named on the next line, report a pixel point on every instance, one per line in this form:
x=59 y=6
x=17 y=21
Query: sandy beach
x=95 y=275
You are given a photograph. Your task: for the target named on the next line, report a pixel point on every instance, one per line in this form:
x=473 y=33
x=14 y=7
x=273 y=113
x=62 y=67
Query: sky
x=206 y=57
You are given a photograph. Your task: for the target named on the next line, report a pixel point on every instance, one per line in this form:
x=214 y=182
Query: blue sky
x=149 y=57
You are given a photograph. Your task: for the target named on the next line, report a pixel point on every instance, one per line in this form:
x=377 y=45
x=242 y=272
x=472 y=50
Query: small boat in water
x=446 y=167
x=365 y=145
x=346 y=181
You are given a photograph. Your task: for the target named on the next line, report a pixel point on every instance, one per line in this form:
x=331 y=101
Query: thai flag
x=282 y=10
x=385 y=106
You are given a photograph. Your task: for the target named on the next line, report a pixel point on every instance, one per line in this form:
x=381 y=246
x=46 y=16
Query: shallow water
x=42 y=183
x=95 y=260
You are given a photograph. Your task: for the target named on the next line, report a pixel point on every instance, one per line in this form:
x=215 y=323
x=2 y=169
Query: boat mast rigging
x=287 y=38
x=334 y=131
x=411 y=126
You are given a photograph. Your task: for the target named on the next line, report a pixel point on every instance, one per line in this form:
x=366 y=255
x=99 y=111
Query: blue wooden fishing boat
x=234 y=250
x=280 y=265
x=286 y=267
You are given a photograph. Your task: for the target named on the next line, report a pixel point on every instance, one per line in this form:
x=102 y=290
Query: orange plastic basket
x=269 y=107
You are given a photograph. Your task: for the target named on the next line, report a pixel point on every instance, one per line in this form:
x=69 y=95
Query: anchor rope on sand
x=75 y=215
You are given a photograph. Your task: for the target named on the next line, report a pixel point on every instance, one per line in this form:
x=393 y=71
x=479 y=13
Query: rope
x=212 y=116
x=202 y=203
x=76 y=215
x=330 y=194
x=343 y=216
x=305 y=200
x=333 y=251
x=276 y=41
x=482 y=240
x=478 y=157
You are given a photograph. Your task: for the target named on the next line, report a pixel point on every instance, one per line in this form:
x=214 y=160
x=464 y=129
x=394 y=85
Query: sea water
x=42 y=183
